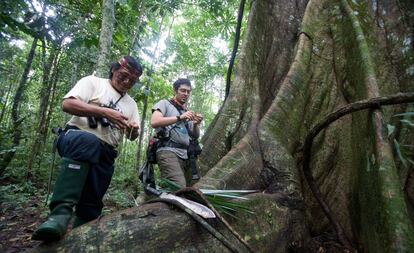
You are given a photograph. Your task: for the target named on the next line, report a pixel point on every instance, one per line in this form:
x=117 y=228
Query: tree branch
x=235 y=47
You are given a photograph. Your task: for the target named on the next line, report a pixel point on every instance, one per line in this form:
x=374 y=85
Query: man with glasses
x=103 y=113
x=175 y=126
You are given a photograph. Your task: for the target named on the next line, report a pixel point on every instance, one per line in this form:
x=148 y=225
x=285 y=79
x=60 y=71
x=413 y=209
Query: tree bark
x=105 y=38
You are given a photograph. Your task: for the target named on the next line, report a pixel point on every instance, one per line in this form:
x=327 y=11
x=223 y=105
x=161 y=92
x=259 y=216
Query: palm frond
x=399 y=153
x=404 y=114
x=407 y=122
x=221 y=200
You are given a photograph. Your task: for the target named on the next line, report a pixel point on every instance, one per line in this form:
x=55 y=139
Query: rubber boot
x=79 y=222
x=66 y=194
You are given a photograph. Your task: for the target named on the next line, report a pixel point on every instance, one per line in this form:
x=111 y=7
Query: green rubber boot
x=79 y=222
x=66 y=194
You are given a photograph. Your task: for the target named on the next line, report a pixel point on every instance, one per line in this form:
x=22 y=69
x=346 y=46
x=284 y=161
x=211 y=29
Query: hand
x=198 y=119
x=116 y=118
x=188 y=115
x=132 y=130
x=132 y=126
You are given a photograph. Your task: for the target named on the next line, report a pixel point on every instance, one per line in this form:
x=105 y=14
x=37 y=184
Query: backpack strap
x=180 y=111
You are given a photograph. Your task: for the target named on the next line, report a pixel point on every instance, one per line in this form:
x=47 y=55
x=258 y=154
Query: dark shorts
x=86 y=147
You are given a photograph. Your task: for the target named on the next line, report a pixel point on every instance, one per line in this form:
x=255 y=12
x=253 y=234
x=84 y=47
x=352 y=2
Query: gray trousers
x=174 y=168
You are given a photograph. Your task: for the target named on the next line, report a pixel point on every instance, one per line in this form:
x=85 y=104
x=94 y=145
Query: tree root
x=373 y=103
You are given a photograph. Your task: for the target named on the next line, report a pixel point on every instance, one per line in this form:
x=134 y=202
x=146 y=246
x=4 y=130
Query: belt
x=70 y=127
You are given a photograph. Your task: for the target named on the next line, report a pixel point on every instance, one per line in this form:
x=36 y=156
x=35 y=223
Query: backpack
x=153 y=144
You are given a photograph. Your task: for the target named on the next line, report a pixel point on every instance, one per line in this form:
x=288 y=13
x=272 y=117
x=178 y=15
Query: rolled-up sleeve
x=83 y=90
x=160 y=106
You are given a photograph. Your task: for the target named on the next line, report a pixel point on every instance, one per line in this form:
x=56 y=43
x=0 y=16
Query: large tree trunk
x=290 y=75
x=105 y=38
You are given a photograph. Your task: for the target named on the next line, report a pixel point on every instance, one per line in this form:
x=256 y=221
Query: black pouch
x=194 y=149
x=153 y=145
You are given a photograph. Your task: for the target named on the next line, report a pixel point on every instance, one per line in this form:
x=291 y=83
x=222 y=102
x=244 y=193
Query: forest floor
x=21 y=213
x=17 y=223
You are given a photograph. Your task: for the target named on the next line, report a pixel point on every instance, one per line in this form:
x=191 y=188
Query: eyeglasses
x=126 y=76
x=187 y=91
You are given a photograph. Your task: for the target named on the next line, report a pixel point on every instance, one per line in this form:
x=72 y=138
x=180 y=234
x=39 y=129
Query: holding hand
x=132 y=126
x=198 y=118
x=117 y=118
x=188 y=115
x=132 y=130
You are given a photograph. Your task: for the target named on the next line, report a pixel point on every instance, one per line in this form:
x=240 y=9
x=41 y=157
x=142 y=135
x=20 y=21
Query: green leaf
x=404 y=114
x=399 y=153
x=390 y=129
x=407 y=122
x=119 y=38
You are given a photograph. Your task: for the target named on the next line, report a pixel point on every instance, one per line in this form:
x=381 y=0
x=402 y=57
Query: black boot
x=66 y=194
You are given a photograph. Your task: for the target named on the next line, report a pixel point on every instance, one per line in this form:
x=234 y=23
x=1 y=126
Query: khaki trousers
x=174 y=168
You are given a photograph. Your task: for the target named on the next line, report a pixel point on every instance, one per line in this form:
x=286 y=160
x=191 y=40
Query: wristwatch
x=178 y=119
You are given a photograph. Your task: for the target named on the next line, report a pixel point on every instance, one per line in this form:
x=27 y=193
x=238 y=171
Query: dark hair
x=180 y=82
x=131 y=62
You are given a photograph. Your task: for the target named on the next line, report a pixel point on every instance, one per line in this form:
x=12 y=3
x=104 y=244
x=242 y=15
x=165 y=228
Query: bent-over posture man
x=102 y=113
x=176 y=126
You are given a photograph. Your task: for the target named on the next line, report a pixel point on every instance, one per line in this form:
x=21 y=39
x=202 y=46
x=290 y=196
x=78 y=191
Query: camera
x=104 y=122
x=93 y=121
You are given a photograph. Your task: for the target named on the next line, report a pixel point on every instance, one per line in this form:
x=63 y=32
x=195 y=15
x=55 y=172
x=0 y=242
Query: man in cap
x=103 y=113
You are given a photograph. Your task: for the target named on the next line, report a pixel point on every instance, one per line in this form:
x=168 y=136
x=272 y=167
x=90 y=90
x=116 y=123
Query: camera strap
x=112 y=105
